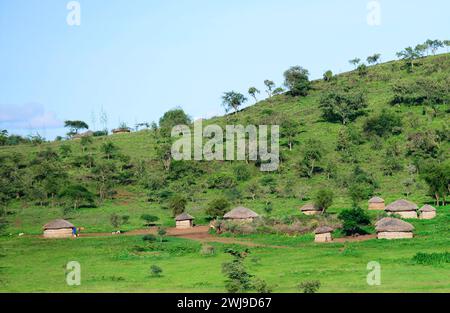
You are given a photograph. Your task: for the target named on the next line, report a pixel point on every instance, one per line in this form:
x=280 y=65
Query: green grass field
x=115 y=264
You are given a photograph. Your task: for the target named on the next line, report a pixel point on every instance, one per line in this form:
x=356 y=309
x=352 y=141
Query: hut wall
x=408 y=214
x=427 y=215
x=184 y=224
x=58 y=233
x=311 y=212
x=377 y=206
x=395 y=235
x=323 y=237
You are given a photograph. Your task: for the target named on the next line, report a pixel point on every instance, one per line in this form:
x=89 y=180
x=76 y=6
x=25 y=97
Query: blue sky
x=138 y=59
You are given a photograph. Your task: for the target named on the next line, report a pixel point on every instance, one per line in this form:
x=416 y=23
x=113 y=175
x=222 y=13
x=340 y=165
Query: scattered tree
x=253 y=91
x=233 y=100
x=297 y=80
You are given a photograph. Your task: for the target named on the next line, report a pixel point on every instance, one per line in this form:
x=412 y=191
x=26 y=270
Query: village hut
x=310 y=209
x=241 y=214
x=58 y=229
x=184 y=221
x=121 y=130
x=393 y=228
x=376 y=203
x=404 y=208
x=427 y=212
x=88 y=133
x=323 y=234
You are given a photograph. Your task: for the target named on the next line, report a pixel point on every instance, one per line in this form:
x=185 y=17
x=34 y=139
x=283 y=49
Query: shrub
x=155 y=271
x=149 y=219
x=242 y=172
x=431 y=258
x=353 y=220
x=309 y=286
x=384 y=124
x=149 y=237
x=297 y=80
x=261 y=286
x=207 y=250
x=217 y=208
x=221 y=181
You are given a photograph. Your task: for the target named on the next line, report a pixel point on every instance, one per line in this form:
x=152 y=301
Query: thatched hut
x=376 y=203
x=427 y=212
x=323 y=234
x=310 y=209
x=121 y=131
x=58 y=229
x=241 y=214
x=393 y=228
x=404 y=208
x=184 y=221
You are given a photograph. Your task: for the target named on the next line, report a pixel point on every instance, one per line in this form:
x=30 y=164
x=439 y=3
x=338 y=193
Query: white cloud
x=28 y=116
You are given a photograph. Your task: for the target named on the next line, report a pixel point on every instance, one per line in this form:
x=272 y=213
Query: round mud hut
x=427 y=212
x=241 y=214
x=393 y=228
x=310 y=209
x=59 y=229
x=376 y=203
x=184 y=221
x=323 y=234
x=404 y=208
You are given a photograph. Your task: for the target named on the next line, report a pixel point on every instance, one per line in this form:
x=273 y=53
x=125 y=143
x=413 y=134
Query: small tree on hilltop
x=270 y=85
x=297 y=80
x=373 y=59
x=328 y=76
x=75 y=126
x=355 y=62
x=233 y=100
x=252 y=91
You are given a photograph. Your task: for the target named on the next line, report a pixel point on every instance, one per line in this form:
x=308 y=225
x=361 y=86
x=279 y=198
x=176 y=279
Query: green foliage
x=242 y=172
x=117 y=221
x=149 y=238
x=297 y=80
x=310 y=286
x=173 y=118
x=233 y=100
x=353 y=221
x=78 y=196
x=75 y=126
x=238 y=278
x=149 y=219
x=437 y=177
x=155 y=271
x=221 y=181
x=328 y=76
x=217 y=208
x=323 y=199
x=177 y=204
x=422 y=91
x=313 y=152
x=384 y=124
x=431 y=258
x=342 y=105
x=109 y=150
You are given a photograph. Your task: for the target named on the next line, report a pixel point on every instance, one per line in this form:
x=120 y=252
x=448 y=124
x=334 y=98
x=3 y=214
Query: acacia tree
x=75 y=126
x=289 y=130
x=447 y=44
x=312 y=154
x=434 y=45
x=233 y=100
x=437 y=177
x=410 y=54
x=374 y=58
x=343 y=106
x=270 y=85
x=252 y=91
x=355 y=62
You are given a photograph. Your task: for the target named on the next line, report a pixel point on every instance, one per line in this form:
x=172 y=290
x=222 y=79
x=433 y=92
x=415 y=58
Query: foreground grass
x=122 y=264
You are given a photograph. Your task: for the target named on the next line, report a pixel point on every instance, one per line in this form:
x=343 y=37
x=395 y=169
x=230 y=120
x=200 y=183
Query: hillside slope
x=144 y=186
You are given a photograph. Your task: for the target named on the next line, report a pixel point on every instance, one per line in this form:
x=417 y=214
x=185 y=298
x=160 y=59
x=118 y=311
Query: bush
x=297 y=80
x=150 y=238
x=431 y=258
x=309 y=286
x=242 y=172
x=221 y=181
x=207 y=250
x=217 y=208
x=353 y=220
x=149 y=219
x=384 y=124
x=155 y=271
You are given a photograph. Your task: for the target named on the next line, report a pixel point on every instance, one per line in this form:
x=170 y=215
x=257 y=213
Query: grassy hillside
x=287 y=189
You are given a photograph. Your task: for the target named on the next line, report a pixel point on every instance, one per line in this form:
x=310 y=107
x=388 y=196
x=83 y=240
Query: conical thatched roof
x=58 y=224
x=428 y=208
x=309 y=207
x=184 y=217
x=240 y=213
x=402 y=206
x=376 y=200
x=389 y=224
x=323 y=230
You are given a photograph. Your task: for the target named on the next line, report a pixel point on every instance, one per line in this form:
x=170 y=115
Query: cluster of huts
x=387 y=228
